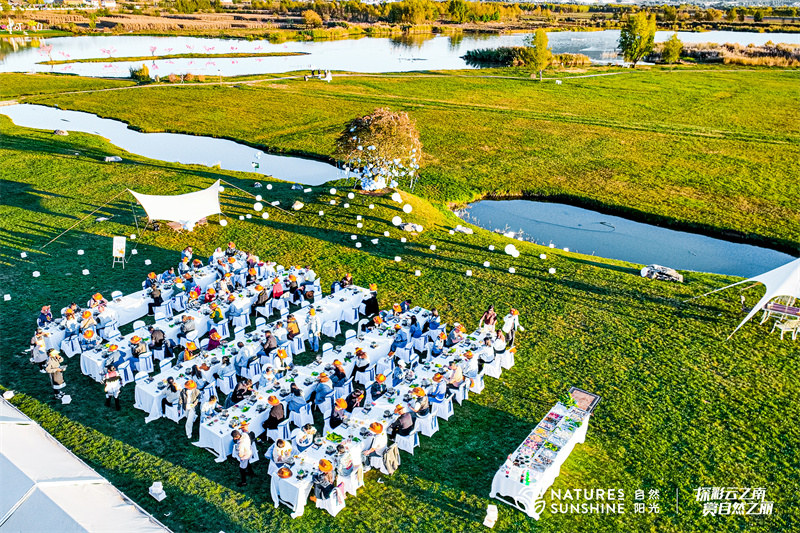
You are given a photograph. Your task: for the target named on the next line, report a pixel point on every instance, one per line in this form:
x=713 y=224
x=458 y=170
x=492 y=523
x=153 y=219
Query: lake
x=369 y=55
x=594 y=233
x=175 y=147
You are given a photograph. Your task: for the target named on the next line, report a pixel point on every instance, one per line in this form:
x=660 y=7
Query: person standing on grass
x=113 y=384
x=55 y=370
x=45 y=317
x=314 y=329
x=189 y=398
x=39 y=349
x=511 y=325
x=243 y=452
x=488 y=320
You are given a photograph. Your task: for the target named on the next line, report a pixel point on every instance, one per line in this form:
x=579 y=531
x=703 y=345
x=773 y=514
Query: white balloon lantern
x=407 y=208
x=433 y=247
x=397 y=221
x=396 y=197
x=511 y=270
x=552 y=270
x=491 y=247
x=417 y=273
x=36 y=273
x=223 y=222
x=469 y=273
x=542 y=256
x=397 y=259
x=372 y=206
x=265 y=216
x=333 y=191
x=486 y=264
x=258 y=198
x=350 y=195
x=258 y=206
x=359 y=225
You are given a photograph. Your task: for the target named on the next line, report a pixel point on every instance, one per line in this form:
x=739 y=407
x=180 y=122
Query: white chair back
x=261 y=321
x=443 y=409
x=407 y=443
x=116 y=294
x=349 y=334
x=145 y=363
x=427 y=425
x=302 y=417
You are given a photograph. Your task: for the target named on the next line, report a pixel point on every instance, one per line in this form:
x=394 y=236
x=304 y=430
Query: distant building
x=108 y=4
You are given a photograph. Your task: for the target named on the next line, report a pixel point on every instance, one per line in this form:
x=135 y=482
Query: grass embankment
x=170 y=56
x=682 y=407
x=710 y=149
x=15 y=85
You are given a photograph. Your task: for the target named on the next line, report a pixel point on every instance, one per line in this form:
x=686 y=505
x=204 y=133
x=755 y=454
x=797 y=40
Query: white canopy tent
x=47 y=488
x=781 y=281
x=186 y=209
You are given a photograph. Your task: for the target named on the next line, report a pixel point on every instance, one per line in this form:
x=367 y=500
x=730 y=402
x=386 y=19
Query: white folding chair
x=344 y=389
x=165 y=310
x=507 y=358
x=355 y=480
x=261 y=321
x=280 y=305
x=302 y=417
x=366 y=377
x=349 y=334
x=335 y=502
x=385 y=366
x=476 y=384
x=140 y=328
x=125 y=373
x=304 y=304
x=419 y=344
x=493 y=369
x=252 y=370
x=241 y=321
x=179 y=302
x=282 y=431
x=406 y=354
x=116 y=294
x=462 y=393
x=331 y=328
x=222 y=328
x=166 y=364
x=145 y=363
x=350 y=315
x=408 y=443
x=298 y=346
x=327 y=347
x=443 y=409
x=427 y=425
x=158 y=353
x=226 y=384
x=174 y=412
x=71 y=346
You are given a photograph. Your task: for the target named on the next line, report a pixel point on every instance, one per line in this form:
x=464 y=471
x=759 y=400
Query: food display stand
x=533 y=467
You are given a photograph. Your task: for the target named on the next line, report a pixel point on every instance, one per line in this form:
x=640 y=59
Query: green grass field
x=682 y=407
x=711 y=149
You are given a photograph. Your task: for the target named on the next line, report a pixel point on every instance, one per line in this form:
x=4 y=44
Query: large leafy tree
x=637 y=37
x=539 y=56
x=383 y=145
x=672 y=49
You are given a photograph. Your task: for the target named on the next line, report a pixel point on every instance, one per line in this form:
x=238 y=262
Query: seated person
x=188 y=327
x=191 y=351
x=158 y=341
x=347 y=281
x=309 y=278
x=96 y=300
x=322 y=390
x=138 y=347
x=184 y=266
x=210 y=295
x=296 y=402
x=378 y=388
x=404 y=425
x=221 y=268
x=151 y=281
x=414 y=331
x=292 y=328
x=397 y=311
x=71 y=325
x=339 y=376
x=399 y=373
x=88 y=321
x=224 y=369
x=438 y=345
x=251 y=277
x=218 y=254
x=456 y=335
x=499 y=344
x=355 y=399
x=157 y=299
x=188 y=281
x=171 y=396
x=179 y=287
x=267 y=379
x=45 y=317
x=434 y=322
x=455 y=376
x=437 y=391
x=168 y=275
x=338 y=414
x=324 y=481
x=277 y=288
x=89 y=340
x=304 y=437
x=241 y=390
x=216 y=315
x=231 y=250
x=405 y=305
x=420 y=404
x=294 y=289
x=362 y=363
x=372 y=323
x=400 y=339
x=375 y=444
x=280 y=332
x=485 y=354
x=276 y=414
x=470 y=365
x=343 y=462
x=208 y=409
x=214 y=340
x=263 y=297
x=270 y=343
x=282 y=452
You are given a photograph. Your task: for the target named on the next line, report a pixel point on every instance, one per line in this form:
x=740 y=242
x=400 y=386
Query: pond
x=594 y=233
x=174 y=147
x=370 y=55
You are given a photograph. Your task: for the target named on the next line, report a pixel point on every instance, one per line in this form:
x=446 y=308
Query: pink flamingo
x=153 y=50
x=169 y=50
x=258 y=47
x=209 y=48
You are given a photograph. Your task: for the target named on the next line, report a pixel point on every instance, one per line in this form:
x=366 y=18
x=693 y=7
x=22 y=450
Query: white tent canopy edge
x=186 y=209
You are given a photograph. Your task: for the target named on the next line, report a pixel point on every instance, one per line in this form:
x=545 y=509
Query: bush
x=312 y=19
x=505 y=56
x=173 y=78
x=188 y=77
x=201 y=78
x=141 y=75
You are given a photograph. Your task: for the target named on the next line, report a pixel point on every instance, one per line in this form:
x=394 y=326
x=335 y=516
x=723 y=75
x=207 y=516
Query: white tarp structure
x=186 y=209
x=47 y=488
x=782 y=281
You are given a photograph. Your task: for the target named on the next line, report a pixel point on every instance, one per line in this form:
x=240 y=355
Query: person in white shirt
x=304 y=437
x=280 y=332
x=500 y=342
x=511 y=325
x=217 y=255
x=281 y=452
x=485 y=354
x=470 y=365
x=375 y=444
x=309 y=277
x=242 y=450
x=208 y=409
x=314 y=329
